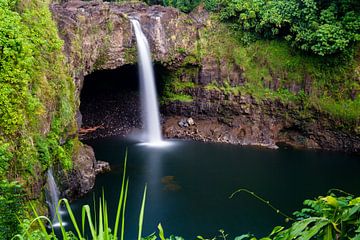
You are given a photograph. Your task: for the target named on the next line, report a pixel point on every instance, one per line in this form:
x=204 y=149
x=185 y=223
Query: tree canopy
x=323 y=27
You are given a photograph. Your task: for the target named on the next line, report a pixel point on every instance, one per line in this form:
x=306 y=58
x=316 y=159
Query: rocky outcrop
x=98 y=35
x=241 y=119
x=82 y=178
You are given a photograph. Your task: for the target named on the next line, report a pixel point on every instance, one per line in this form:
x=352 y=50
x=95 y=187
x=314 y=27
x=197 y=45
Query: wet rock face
x=240 y=119
x=82 y=178
x=99 y=35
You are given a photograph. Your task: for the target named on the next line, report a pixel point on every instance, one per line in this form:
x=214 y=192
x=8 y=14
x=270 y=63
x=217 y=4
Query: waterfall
x=150 y=108
x=52 y=197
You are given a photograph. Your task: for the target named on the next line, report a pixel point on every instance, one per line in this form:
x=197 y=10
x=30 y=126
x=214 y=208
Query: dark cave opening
x=110 y=103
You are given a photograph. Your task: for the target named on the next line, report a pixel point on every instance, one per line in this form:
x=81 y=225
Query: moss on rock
x=37 y=112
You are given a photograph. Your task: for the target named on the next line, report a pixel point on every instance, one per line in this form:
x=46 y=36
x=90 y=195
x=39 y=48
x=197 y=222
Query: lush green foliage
x=183 y=5
x=322 y=27
x=37 y=105
x=174 y=90
x=328 y=217
x=11 y=206
x=98 y=225
x=211 y=5
x=274 y=70
x=35 y=88
x=162 y=235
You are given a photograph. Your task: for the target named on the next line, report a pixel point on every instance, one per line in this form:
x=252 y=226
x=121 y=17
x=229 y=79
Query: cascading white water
x=150 y=108
x=52 y=197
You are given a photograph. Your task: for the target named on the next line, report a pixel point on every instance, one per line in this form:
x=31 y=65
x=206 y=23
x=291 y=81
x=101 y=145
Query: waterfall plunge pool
x=189 y=184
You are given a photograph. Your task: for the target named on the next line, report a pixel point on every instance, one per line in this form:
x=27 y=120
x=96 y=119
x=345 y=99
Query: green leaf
x=357 y=237
x=121 y=198
x=101 y=226
x=86 y=211
x=71 y=214
x=42 y=226
x=161 y=232
x=141 y=217
x=348 y=213
x=276 y=230
x=354 y=201
x=172 y=237
x=106 y=220
x=298 y=228
x=332 y=201
x=306 y=235
x=244 y=236
x=150 y=237
x=328 y=233
x=124 y=209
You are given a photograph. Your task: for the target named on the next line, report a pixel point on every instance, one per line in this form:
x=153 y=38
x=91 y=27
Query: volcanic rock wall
x=98 y=35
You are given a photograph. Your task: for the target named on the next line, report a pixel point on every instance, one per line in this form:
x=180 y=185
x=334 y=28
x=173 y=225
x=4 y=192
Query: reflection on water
x=189 y=184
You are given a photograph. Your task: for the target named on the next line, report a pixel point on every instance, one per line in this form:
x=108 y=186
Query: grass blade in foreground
x=120 y=204
x=141 y=217
x=71 y=214
x=124 y=208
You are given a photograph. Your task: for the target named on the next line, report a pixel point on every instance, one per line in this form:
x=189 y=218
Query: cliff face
x=242 y=119
x=99 y=36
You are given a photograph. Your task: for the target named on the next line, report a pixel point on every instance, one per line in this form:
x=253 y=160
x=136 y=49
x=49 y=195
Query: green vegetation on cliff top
x=304 y=52
x=322 y=27
x=316 y=26
x=272 y=69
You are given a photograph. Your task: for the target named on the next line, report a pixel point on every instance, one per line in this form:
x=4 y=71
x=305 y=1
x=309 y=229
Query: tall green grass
x=99 y=229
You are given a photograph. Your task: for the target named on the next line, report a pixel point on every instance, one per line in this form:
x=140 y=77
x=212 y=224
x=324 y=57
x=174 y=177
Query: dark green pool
x=189 y=184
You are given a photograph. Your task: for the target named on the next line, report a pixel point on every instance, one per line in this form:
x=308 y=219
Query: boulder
x=82 y=178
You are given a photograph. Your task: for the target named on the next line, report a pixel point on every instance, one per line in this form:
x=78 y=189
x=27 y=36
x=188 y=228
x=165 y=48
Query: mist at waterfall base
x=189 y=184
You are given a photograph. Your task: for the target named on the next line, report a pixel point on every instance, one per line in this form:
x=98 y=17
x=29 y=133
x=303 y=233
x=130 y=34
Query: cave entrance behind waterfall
x=110 y=103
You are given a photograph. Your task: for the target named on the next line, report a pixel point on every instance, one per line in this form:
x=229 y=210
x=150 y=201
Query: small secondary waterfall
x=150 y=108
x=52 y=196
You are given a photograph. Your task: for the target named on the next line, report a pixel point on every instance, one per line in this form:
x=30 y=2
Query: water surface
x=189 y=184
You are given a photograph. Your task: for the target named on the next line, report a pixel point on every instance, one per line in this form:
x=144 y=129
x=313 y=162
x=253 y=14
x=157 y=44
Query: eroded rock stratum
x=99 y=35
